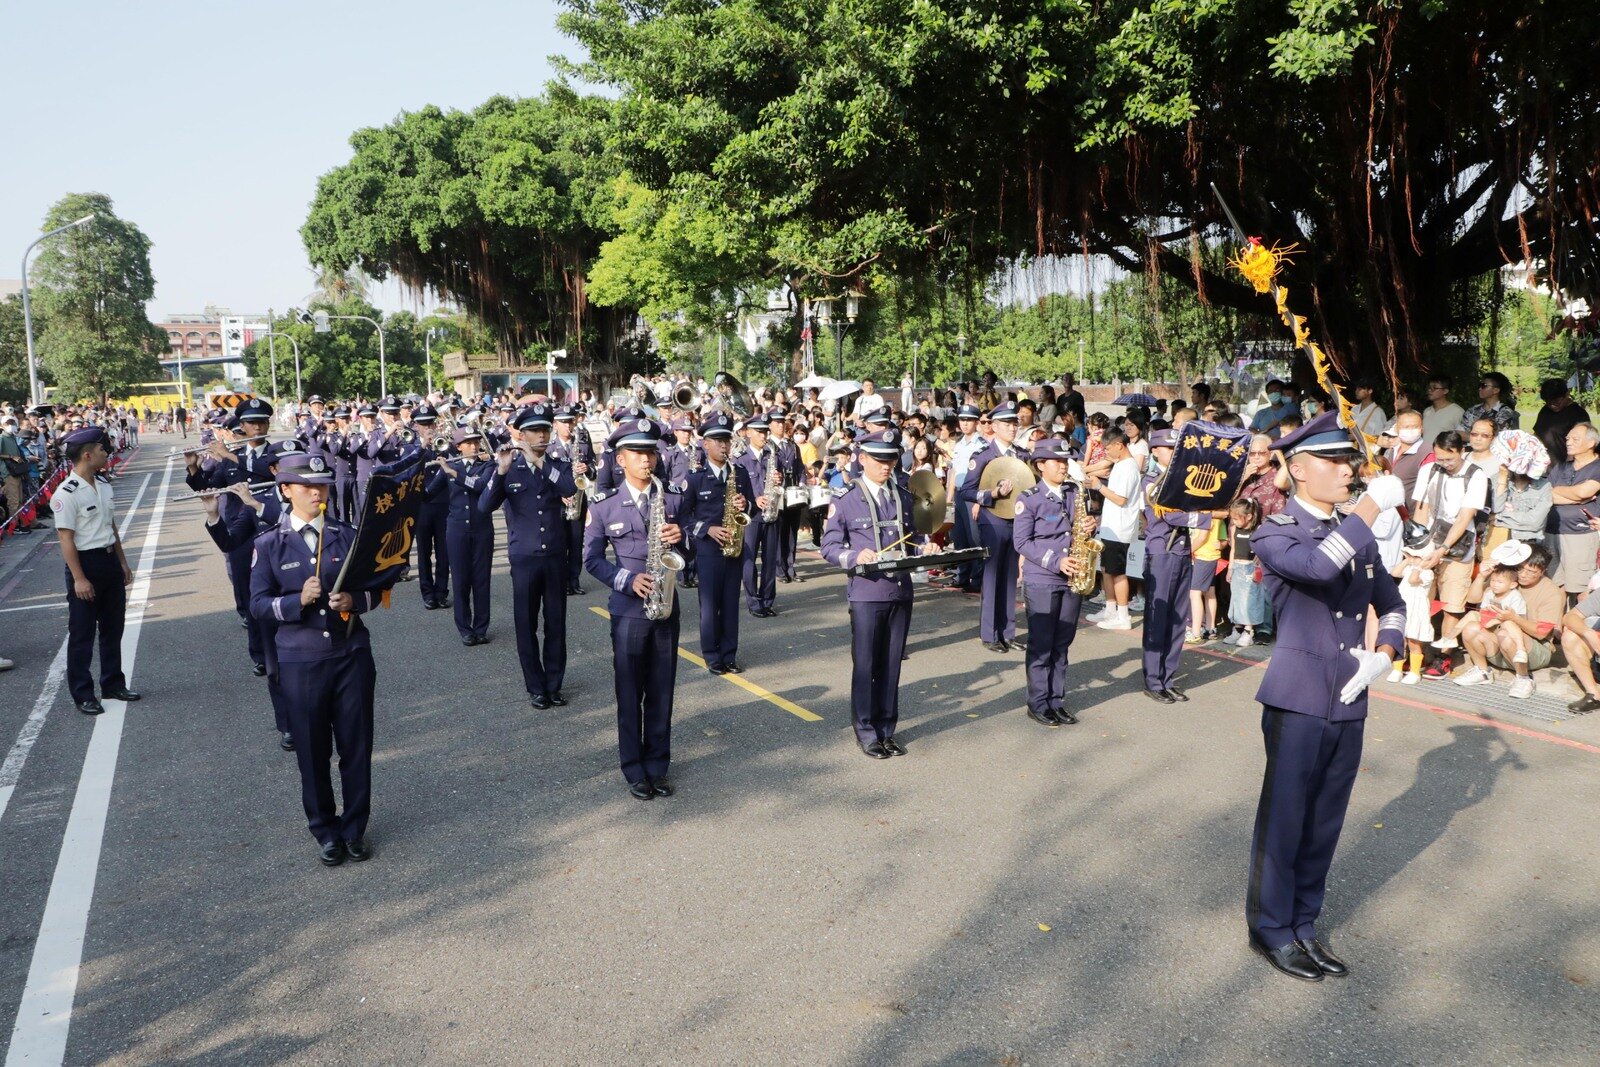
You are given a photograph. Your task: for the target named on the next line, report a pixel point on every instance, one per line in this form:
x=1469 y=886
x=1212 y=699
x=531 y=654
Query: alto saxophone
x=734 y=520
x=1086 y=548
x=662 y=564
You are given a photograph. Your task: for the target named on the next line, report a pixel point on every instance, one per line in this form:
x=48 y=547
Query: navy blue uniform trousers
x=1052 y=624
x=997 y=616
x=433 y=552
x=237 y=564
x=969 y=575
x=878 y=632
x=762 y=549
x=471 y=555
x=1311 y=769
x=330 y=710
x=539 y=583
x=280 y=703
x=719 y=602
x=644 y=661
x=102 y=617
x=575 y=546
x=1166 y=609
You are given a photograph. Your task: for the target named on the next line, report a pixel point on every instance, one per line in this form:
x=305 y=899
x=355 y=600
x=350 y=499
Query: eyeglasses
x=1263 y=452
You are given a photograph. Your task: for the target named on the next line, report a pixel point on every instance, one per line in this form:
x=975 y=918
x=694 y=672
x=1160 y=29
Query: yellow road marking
x=750 y=687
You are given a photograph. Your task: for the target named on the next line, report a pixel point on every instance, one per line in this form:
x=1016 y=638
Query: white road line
x=11 y=769
x=33 y=607
x=45 y=1013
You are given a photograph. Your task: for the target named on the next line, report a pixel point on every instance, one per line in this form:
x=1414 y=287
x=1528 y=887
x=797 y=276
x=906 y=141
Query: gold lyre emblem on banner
x=1203 y=480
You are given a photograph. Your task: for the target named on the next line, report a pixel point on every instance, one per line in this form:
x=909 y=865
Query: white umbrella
x=838 y=390
x=813 y=381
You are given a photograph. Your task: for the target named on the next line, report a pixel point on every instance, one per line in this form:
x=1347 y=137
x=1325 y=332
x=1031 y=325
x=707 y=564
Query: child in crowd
x=1203 y=583
x=1416 y=589
x=1247 y=601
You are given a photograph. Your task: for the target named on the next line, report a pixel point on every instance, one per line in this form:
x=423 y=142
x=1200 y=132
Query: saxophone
x=734 y=520
x=774 y=487
x=1086 y=547
x=662 y=564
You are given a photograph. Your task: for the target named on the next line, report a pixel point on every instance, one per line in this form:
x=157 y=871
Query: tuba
x=730 y=396
x=662 y=564
x=1086 y=547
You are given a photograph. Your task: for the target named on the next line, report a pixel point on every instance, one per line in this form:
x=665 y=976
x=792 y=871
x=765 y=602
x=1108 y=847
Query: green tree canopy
x=13 y=352
x=89 y=286
x=502 y=209
x=1409 y=146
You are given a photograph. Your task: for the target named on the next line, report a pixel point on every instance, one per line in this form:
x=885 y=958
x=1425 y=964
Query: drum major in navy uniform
x=1324 y=573
x=324 y=658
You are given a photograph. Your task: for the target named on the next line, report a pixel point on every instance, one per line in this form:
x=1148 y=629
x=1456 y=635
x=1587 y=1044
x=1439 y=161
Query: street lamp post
x=1080 y=359
x=961 y=374
x=550 y=371
x=916 y=355
x=825 y=317
x=427 y=356
x=298 y=394
x=321 y=320
x=272 y=357
x=27 y=312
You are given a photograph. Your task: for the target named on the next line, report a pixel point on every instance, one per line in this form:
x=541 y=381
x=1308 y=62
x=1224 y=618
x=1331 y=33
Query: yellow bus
x=146 y=396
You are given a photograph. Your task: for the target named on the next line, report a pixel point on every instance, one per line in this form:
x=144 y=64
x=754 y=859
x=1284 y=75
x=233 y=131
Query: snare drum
x=821 y=496
x=796 y=496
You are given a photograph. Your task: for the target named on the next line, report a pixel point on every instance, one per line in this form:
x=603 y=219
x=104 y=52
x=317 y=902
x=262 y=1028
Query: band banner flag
x=1207 y=468
x=385 y=527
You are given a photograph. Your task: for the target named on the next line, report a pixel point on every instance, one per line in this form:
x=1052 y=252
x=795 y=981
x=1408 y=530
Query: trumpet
x=201 y=494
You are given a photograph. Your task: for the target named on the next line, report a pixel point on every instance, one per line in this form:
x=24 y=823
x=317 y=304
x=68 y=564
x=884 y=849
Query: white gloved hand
x=1370 y=666
x=1387 y=491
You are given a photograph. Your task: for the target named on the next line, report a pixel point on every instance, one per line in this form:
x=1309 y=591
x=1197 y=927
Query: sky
x=208 y=124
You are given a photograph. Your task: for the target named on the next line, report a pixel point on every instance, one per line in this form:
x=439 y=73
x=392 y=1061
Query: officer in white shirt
x=97 y=571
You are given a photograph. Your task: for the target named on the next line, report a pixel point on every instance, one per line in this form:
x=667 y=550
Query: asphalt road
x=1005 y=894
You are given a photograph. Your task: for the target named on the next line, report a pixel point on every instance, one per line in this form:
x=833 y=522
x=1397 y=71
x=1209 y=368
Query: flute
x=201 y=494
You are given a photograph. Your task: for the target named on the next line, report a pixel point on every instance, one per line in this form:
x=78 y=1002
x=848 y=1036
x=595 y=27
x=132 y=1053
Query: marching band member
x=720 y=576
x=533 y=489
x=96 y=568
x=311 y=424
x=361 y=449
x=324 y=661
x=793 y=473
x=874 y=515
x=997 y=619
x=682 y=458
x=969 y=576
x=471 y=535
x=1323 y=574
x=761 y=552
x=644 y=650
x=1043 y=533
x=258 y=513
x=433 y=546
x=572 y=448
x=1168 y=566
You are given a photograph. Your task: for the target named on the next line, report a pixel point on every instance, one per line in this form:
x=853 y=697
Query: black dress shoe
x=540 y=701
x=1044 y=718
x=331 y=854
x=286 y=741
x=1326 y=962
x=785 y=579
x=893 y=747
x=258 y=669
x=642 y=789
x=1161 y=696
x=1291 y=959
x=662 y=787
x=124 y=694
x=732 y=667
x=1065 y=717
x=578 y=590
x=876 y=750
x=483 y=639
x=91 y=706
x=429 y=605
x=469 y=640
x=557 y=699
x=442 y=602
x=717 y=668
x=997 y=646
x=357 y=850
x=1176 y=694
